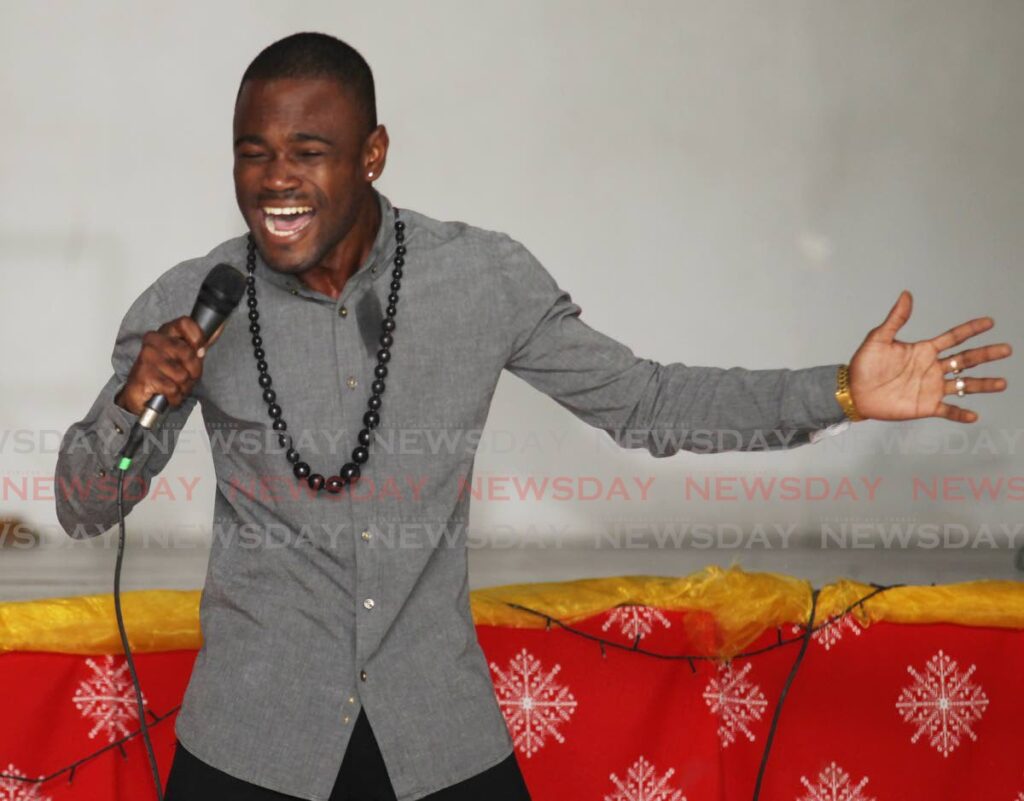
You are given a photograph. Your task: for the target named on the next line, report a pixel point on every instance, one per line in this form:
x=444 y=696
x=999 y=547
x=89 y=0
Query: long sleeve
x=643 y=403
x=86 y=475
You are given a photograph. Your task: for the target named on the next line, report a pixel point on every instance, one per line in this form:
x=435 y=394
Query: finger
x=162 y=384
x=194 y=365
x=184 y=328
x=174 y=390
x=213 y=338
x=976 y=356
x=184 y=358
x=954 y=336
x=181 y=351
x=973 y=385
x=187 y=368
x=897 y=317
x=955 y=413
x=173 y=370
x=172 y=356
x=158 y=349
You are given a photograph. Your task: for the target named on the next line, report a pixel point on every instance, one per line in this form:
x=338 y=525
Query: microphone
x=218 y=297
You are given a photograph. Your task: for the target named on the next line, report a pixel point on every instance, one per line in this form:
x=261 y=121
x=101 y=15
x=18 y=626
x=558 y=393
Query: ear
x=375 y=152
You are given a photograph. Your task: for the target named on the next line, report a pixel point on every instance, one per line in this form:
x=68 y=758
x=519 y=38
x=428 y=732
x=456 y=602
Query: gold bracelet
x=843 y=393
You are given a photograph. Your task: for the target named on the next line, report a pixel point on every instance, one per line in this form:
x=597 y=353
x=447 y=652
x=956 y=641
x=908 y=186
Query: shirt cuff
x=820 y=394
x=829 y=431
x=113 y=427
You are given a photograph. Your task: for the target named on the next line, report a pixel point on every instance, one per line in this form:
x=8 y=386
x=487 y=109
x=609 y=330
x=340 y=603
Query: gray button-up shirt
x=317 y=605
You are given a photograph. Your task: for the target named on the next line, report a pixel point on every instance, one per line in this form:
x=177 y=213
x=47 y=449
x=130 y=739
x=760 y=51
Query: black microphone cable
x=144 y=727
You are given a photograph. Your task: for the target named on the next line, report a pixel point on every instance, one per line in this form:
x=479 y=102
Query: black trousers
x=362 y=778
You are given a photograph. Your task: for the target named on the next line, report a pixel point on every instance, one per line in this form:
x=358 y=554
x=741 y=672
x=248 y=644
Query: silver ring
x=954 y=366
x=960 y=386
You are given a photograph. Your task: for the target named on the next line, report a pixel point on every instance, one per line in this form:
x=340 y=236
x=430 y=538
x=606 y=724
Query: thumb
x=213 y=338
x=898 y=316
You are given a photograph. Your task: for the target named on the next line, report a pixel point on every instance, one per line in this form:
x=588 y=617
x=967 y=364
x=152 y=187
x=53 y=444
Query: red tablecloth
x=890 y=711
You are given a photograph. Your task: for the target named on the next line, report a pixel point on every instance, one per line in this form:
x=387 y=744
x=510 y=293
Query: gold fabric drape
x=741 y=605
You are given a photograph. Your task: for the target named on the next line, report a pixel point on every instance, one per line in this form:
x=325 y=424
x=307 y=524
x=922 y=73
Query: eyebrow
x=253 y=139
x=308 y=137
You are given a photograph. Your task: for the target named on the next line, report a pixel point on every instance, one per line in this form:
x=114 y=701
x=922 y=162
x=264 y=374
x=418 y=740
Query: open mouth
x=287 y=222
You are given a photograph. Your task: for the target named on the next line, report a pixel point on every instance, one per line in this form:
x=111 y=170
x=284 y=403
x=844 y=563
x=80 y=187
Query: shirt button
x=345 y=719
x=368 y=603
x=102 y=472
x=362 y=675
x=294 y=291
x=351 y=699
x=118 y=429
x=342 y=311
x=352 y=383
x=366 y=535
x=373 y=269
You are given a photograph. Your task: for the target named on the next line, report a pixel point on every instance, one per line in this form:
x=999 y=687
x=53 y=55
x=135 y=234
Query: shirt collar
x=370 y=270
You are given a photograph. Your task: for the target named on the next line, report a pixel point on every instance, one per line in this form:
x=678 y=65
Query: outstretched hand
x=893 y=380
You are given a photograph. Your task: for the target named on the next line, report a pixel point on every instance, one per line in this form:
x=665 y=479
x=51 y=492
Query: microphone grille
x=223 y=288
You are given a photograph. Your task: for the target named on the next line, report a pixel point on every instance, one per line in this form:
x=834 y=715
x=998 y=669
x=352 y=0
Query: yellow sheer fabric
x=740 y=604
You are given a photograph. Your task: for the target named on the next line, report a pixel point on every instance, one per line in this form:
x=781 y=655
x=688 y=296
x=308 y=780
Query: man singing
x=339 y=657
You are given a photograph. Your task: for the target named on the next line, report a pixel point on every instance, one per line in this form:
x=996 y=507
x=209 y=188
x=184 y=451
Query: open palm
x=893 y=380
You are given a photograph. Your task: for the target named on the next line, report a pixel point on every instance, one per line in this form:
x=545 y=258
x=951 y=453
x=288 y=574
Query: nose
x=279 y=175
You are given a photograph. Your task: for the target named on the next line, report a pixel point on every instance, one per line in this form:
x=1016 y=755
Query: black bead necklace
x=349 y=472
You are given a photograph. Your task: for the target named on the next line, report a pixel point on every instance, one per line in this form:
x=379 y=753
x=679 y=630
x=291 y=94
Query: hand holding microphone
x=169 y=364
x=170 y=361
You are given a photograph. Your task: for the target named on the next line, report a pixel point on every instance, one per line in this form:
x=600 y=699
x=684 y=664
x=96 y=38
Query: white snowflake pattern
x=736 y=701
x=636 y=622
x=533 y=703
x=942 y=702
x=832 y=631
x=643 y=784
x=15 y=789
x=834 y=785
x=108 y=698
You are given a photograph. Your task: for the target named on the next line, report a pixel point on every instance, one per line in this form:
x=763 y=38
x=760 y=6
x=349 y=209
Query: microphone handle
x=207 y=318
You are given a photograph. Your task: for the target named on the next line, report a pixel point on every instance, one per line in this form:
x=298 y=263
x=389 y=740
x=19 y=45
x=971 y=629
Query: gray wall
x=727 y=184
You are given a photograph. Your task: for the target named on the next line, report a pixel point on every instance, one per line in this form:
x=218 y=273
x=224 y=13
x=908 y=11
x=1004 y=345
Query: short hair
x=317 y=55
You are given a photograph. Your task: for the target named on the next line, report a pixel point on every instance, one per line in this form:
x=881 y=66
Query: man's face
x=299 y=172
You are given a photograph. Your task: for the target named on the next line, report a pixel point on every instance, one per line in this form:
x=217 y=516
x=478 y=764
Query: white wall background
x=715 y=183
